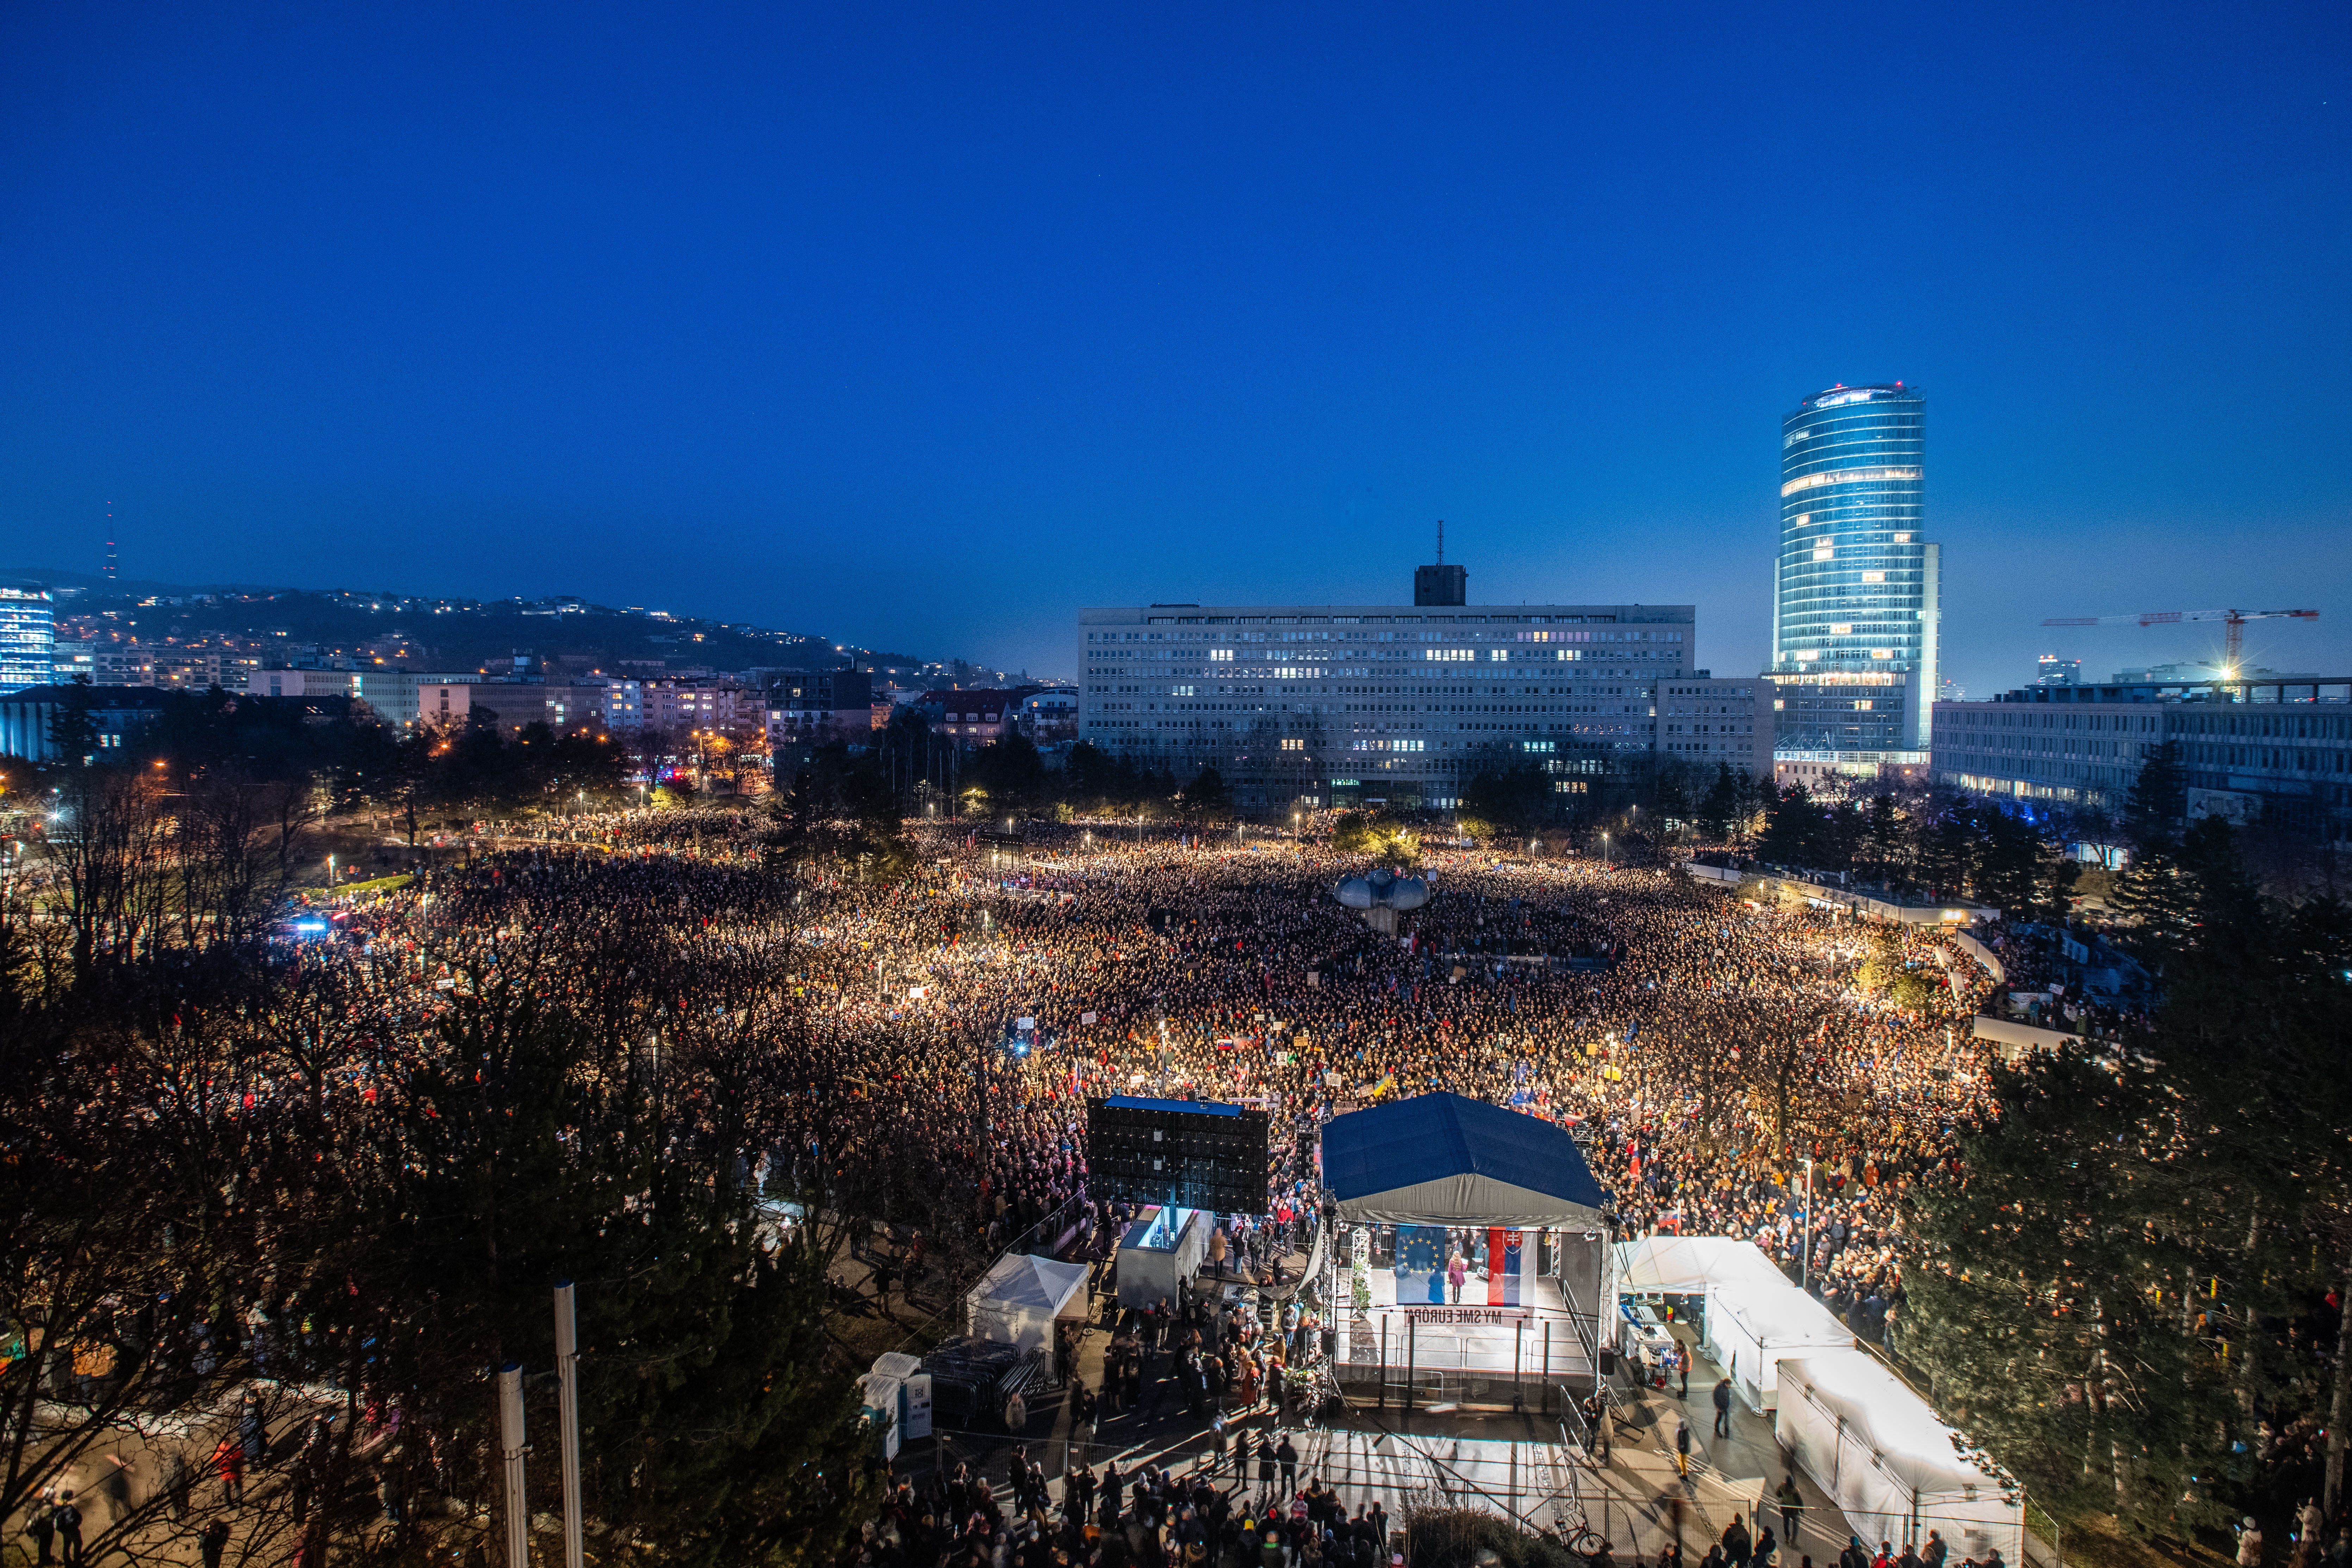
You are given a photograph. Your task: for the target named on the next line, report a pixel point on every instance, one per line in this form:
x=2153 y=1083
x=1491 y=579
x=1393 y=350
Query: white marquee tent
x=1897 y=1471
x=1687 y=1265
x=1018 y=1301
x=1752 y=1326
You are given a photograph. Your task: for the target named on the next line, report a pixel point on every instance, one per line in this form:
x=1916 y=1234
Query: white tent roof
x=1778 y=1316
x=1026 y=1282
x=1687 y=1265
x=1017 y=1303
x=1894 y=1424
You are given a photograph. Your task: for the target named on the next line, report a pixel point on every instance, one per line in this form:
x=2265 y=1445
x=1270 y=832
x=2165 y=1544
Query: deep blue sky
x=925 y=325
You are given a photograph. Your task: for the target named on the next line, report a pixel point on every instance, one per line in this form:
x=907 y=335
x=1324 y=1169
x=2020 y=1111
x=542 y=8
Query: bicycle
x=1574 y=1530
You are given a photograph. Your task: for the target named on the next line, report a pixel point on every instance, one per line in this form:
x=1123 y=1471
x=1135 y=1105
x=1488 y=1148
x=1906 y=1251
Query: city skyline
x=825 y=296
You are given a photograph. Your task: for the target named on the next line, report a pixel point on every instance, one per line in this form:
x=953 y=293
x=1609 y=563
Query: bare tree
x=109 y=844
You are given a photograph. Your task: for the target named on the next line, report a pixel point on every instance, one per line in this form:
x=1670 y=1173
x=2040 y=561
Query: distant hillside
x=439 y=634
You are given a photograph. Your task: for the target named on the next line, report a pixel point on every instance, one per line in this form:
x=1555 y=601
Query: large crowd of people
x=1723 y=1068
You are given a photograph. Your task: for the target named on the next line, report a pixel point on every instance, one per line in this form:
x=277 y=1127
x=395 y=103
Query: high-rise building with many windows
x=1320 y=705
x=29 y=638
x=1856 y=598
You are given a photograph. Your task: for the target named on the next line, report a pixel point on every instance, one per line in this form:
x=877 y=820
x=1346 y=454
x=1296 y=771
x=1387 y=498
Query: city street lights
x=1604 y=848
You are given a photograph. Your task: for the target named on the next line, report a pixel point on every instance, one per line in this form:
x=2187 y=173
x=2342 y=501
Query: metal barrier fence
x=1406 y=1361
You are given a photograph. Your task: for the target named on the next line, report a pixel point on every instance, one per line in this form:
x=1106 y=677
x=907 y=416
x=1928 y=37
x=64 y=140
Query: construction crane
x=2234 y=619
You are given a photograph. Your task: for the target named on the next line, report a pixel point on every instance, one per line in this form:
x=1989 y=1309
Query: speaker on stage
x=1608 y=1360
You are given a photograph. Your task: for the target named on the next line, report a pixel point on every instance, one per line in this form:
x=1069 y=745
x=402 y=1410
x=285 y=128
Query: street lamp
x=1805 y=1262
x=1604 y=848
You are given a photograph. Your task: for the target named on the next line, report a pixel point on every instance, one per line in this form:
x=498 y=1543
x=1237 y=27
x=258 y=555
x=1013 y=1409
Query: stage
x=1431 y=1183
x=1469 y=1354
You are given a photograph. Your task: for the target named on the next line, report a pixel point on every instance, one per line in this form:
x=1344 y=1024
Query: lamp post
x=1604 y=850
x=1805 y=1261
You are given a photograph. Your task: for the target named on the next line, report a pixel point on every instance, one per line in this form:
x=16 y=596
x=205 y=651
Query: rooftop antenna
x=1441 y=541
x=109 y=542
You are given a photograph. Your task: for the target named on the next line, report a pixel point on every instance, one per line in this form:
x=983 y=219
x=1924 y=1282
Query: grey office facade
x=1330 y=705
x=2276 y=748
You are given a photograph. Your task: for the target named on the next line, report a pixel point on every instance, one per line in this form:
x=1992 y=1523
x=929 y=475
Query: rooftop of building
x=2265 y=689
x=1351 y=615
x=976 y=697
x=98 y=697
x=1841 y=394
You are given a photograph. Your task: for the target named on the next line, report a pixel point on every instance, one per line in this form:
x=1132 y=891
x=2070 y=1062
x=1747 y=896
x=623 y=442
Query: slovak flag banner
x=1505 y=1265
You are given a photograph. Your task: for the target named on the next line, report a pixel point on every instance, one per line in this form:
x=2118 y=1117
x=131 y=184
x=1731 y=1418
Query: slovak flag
x=1505 y=1264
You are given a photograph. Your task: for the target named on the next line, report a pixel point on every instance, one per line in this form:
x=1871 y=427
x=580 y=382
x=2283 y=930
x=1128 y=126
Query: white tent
x=1879 y=1451
x=1687 y=1265
x=1752 y=1325
x=1017 y=1303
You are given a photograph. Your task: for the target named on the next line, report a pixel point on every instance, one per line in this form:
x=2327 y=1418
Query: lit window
x=1861 y=704
x=1498 y=655
x=1824 y=552
x=1902 y=538
x=1807 y=654
x=1844 y=629
x=1848 y=477
x=1874 y=576
x=1224 y=655
x=1882 y=653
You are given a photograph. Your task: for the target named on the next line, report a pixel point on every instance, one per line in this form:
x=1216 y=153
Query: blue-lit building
x=2264 y=748
x=1856 y=602
x=29 y=638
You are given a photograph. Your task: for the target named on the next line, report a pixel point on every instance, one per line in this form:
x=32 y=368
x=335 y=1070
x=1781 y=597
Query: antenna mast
x=1441 y=541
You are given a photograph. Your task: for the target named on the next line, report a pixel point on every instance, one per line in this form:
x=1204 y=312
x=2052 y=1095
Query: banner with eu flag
x=1419 y=1264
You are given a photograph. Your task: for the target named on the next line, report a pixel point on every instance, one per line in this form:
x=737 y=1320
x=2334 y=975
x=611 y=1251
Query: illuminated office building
x=1313 y=705
x=1855 y=604
x=28 y=637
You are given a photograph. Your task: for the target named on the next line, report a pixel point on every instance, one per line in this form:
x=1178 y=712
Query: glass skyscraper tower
x=1856 y=601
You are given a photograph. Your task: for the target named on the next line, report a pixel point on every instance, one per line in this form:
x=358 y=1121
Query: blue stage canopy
x=1439 y=1158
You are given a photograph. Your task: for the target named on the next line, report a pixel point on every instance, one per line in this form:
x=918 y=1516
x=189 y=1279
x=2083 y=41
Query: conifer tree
x=2154 y=894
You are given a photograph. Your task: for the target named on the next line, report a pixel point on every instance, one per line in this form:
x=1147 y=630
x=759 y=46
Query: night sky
x=923 y=326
